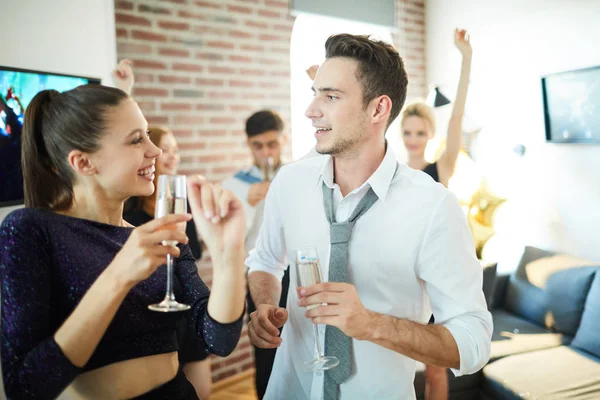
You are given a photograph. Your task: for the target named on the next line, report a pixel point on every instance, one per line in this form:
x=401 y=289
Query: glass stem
x=320 y=354
x=170 y=296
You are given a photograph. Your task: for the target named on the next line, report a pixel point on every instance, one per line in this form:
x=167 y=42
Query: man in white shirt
x=409 y=255
x=266 y=137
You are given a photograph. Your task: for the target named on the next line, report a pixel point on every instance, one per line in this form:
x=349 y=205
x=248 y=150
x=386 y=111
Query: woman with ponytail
x=77 y=279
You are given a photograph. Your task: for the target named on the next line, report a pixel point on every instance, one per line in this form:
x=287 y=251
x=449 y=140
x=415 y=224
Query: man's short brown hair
x=380 y=68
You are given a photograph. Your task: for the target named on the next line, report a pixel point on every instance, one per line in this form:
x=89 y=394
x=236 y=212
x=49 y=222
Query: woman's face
x=168 y=162
x=124 y=165
x=415 y=134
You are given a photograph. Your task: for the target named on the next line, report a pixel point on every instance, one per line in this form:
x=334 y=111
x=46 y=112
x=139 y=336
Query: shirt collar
x=380 y=181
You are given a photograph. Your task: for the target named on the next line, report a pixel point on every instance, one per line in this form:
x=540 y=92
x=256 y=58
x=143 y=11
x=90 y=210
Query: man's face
x=265 y=145
x=337 y=110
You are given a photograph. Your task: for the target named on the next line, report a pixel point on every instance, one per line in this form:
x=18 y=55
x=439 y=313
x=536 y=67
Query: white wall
x=63 y=36
x=554 y=189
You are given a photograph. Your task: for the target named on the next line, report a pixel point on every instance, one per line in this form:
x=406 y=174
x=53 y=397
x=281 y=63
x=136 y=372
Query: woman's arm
x=448 y=159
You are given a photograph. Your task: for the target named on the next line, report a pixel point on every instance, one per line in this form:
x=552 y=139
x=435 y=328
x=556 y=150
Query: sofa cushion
x=557 y=373
x=588 y=334
x=522 y=297
x=514 y=335
x=566 y=294
x=527 y=293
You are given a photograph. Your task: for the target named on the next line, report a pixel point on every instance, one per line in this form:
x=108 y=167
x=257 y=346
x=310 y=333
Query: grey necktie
x=336 y=343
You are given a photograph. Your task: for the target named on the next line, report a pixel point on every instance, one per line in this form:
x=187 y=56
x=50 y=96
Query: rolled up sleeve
x=453 y=281
x=269 y=255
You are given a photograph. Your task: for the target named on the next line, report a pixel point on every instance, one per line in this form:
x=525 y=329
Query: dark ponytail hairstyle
x=55 y=124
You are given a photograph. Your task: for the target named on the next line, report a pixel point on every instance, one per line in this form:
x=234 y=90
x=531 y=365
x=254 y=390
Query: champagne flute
x=171 y=198
x=268 y=167
x=308 y=272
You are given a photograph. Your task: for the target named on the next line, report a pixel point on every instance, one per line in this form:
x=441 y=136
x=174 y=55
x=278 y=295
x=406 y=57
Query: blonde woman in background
x=418 y=127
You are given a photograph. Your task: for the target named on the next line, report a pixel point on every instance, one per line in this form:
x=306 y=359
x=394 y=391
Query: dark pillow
x=489 y=283
x=523 y=298
x=567 y=291
x=588 y=334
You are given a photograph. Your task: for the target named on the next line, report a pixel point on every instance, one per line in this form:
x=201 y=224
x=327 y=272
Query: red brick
x=249 y=47
x=150 y=92
x=241 y=107
x=191 y=15
x=187 y=159
x=149 y=64
x=221 y=70
x=208 y=4
x=222 y=120
x=156 y=120
x=192 y=146
x=128 y=19
x=269 y=14
x=281 y=50
x=209 y=56
x=189 y=119
x=177 y=1
x=221 y=95
x=150 y=36
x=255 y=24
x=283 y=28
x=236 y=359
x=212 y=132
x=223 y=145
x=239 y=156
x=170 y=52
x=143 y=78
x=242 y=59
x=230 y=170
x=201 y=29
x=239 y=9
x=271 y=37
x=212 y=158
x=254 y=72
x=176 y=107
x=209 y=82
x=280 y=73
x=132 y=48
x=269 y=61
x=220 y=44
x=269 y=85
x=122 y=33
x=277 y=4
x=179 y=133
x=146 y=106
x=236 y=83
x=240 y=34
x=174 y=79
x=123 y=5
x=187 y=67
x=210 y=107
x=176 y=26
x=254 y=96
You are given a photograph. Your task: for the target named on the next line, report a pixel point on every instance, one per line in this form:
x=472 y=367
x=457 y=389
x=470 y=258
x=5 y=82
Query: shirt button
x=319 y=373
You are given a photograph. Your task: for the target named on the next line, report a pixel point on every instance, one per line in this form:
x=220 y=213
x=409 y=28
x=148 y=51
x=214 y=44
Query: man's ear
x=81 y=163
x=382 y=110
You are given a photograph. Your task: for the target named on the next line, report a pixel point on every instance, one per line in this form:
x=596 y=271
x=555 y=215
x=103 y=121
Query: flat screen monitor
x=572 y=106
x=17 y=88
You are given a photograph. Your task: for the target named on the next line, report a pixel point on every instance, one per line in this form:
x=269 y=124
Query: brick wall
x=202 y=67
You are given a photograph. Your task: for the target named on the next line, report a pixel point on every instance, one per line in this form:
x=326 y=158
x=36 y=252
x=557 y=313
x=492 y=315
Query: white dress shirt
x=410 y=255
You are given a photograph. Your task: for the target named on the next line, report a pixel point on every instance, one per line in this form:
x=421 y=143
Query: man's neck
x=352 y=170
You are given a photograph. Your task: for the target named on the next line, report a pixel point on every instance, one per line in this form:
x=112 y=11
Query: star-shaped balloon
x=484 y=204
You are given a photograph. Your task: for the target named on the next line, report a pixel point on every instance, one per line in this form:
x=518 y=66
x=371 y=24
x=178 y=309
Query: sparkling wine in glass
x=171 y=198
x=268 y=169
x=308 y=272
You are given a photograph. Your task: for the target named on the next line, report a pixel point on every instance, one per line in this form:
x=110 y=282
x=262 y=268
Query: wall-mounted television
x=17 y=88
x=572 y=106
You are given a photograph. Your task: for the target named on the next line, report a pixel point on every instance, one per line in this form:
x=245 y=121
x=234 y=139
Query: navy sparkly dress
x=48 y=262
